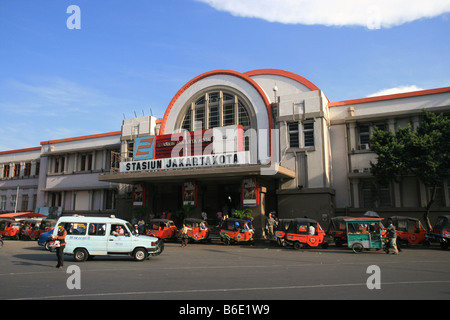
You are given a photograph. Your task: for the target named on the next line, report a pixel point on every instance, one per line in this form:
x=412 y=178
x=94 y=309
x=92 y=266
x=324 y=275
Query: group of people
x=271 y=225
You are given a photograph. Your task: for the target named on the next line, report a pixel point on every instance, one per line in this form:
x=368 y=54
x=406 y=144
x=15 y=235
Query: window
x=364 y=137
x=119 y=230
x=17 y=170
x=215 y=109
x=76 y=228
x=186 y=125
x=86 y=159
x=24 y=202
x=97 y=229
x=308 y=134
x=373 y=196
x=13 y=201
x=3 y=203
x=228 y=114
x=110 y=198
x=213 y=117
x=6 y=171
x=27 y=170
x=293 y=135
x=199 y=123
x=439 y=199
x=55 y=199
x=244 y=119
x=59 y=164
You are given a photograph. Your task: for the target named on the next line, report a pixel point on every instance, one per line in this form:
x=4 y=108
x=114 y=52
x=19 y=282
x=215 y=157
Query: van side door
x=118 y=241
x=97 y=238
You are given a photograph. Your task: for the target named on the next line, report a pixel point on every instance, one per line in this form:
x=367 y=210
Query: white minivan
x=94 y=236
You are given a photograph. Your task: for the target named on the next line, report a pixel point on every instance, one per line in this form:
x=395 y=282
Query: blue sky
x=134 y=55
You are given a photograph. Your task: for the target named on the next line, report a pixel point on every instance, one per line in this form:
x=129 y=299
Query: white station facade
x=268 y=140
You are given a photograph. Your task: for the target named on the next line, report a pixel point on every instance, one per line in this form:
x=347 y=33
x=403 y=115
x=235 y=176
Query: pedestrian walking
x=270 y=224
x=184 y=236
x=392 y=236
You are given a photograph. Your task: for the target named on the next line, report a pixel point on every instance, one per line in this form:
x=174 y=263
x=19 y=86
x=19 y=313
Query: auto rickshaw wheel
x=226 y=241
x=324 y=245
x=298 y=245
x=357 y=247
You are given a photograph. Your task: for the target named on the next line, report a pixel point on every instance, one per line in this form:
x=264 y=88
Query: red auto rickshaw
x=440 y=232
x=337 y=230
x=409 y=230
x=198 y=229
x=47 y=225
x=305 y=232
x=30 y=229
x=161 y=228
x=235 y=231
x=280 y=231
x=9 y=228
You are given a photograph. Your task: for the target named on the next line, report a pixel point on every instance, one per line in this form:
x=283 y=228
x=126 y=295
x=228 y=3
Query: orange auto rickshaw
x=9 y=228
x=47 y=225
x=161 y=228
x=305 y=232
x=440 y=232
x=337 y=230
x=198 y=229
x=30 y=229
x=409 y=230
x=280 y=231
x=235 y=231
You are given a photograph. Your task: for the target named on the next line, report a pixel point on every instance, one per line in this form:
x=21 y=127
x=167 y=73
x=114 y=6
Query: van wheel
x=140 y=254
x=80 y=255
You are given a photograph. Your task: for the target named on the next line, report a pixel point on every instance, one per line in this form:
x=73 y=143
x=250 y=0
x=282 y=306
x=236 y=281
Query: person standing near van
x=61 y=236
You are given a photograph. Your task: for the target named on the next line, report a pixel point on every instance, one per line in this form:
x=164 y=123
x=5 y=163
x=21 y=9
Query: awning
x=22 y=215
x=209 y=173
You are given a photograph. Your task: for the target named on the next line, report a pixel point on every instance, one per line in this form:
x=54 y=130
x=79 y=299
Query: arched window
x=215 y=108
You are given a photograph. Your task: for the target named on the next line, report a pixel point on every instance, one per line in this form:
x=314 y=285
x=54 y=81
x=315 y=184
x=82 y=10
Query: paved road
x=216 y=272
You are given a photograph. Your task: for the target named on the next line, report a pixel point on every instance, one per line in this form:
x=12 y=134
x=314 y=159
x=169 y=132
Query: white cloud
x=366 y=13
x=401 y=89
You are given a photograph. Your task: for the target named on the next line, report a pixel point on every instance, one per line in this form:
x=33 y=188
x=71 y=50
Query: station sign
x=188 y=149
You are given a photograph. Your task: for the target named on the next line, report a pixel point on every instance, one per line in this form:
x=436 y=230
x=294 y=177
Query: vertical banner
x=138 y=195
x=190 y=193
x=250 y=192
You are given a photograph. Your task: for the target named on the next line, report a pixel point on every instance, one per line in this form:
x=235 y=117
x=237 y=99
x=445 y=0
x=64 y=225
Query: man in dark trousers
x=61 y=236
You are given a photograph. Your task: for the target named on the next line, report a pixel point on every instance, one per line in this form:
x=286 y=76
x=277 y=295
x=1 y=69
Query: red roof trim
x=20 y=150
x=283 y=73
x=390 y=97
x=92 y=136
x=242 y=76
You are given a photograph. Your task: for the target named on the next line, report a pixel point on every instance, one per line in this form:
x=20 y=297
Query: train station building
x=268 y=140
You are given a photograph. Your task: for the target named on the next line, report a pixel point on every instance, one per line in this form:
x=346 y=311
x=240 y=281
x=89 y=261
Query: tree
x=424 y=152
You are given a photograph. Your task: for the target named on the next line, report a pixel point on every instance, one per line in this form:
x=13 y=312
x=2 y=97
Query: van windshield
x=130 y=228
